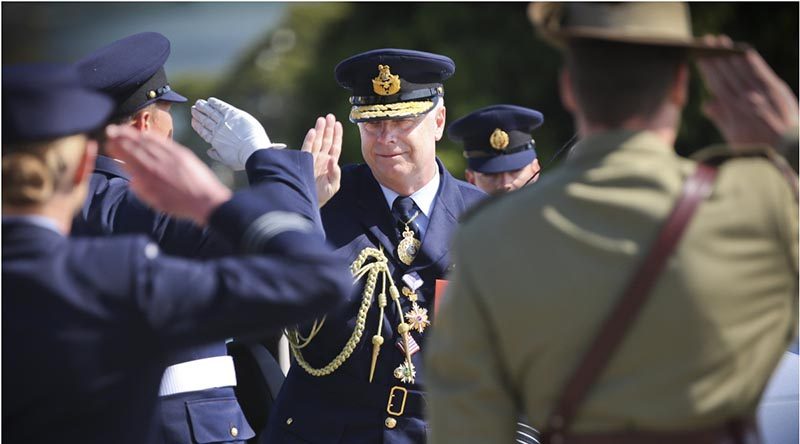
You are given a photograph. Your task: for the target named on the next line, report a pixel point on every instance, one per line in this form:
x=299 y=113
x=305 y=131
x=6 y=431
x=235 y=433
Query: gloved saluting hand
x=234 y=135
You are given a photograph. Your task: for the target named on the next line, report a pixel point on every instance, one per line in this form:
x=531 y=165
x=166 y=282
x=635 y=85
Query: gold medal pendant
x=408 y=247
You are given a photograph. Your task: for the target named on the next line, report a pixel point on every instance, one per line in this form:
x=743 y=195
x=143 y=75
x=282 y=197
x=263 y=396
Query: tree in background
x=286 y=78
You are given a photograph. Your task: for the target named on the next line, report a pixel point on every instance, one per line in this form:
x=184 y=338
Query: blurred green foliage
x=286 y=80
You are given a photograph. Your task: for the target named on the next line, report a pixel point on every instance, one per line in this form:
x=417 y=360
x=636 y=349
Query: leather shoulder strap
x=696 y=189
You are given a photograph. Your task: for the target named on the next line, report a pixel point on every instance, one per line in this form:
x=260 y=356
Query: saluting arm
x=288 y=275
x=238 y=140
x=750 y=104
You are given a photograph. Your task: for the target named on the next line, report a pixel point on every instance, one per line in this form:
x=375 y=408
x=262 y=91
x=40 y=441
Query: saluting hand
x=166 y=175
x=750 y=103
x=234 y=134
x=324 y=142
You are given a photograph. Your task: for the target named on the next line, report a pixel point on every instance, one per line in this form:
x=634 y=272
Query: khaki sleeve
x=469 y=399
x=785 y=210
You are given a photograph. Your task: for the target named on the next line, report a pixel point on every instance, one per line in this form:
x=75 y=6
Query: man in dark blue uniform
x=500 y=152
x=197 y=389
x=358 y=375
x=88 y=324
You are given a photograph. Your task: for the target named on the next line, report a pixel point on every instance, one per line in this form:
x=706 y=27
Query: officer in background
x=358 y=376
x=500 y=152
x=540 y=270
x=198 y=401
x=501 y=157
x=88 y=323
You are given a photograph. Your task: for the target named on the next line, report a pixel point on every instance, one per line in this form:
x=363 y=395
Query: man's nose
x=386 y=134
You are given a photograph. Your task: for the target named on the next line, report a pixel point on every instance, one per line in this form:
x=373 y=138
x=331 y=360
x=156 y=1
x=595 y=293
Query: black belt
x=395 y=400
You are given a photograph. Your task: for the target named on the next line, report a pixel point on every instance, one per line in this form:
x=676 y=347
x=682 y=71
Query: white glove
x=234 y=135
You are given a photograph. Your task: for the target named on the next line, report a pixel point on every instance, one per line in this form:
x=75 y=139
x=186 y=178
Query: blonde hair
x=33 y=172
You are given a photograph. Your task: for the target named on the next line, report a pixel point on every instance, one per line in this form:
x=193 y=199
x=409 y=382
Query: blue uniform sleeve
x=288 y=166
x=287 y=275
x=188 y=302
x=113 y=209
x=174 y=236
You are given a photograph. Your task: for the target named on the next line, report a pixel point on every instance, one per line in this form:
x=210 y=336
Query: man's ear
x=679 y=92
x=441 y=117
x=142 y=120
x=565 y=90
x=470 y=176
x=85 y=163
x=535 y=166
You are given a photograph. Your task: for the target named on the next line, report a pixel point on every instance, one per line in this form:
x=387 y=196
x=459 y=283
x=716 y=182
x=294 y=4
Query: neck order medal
x=408 y=247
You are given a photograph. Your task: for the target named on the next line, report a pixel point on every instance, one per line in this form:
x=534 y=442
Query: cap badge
x=386 y=83
x=499 y=139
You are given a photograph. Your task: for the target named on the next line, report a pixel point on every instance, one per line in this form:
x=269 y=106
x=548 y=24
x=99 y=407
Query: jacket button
x=390 y=423
x=289 y=421
x=234 y=432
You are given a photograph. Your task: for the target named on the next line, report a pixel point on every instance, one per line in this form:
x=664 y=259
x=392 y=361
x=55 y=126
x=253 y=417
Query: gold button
x=234 y=432
x=289 y=421
x=151 y=94
x=390 y=423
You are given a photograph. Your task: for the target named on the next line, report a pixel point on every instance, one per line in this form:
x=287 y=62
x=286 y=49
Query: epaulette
x=718 y=154
x=483 y=204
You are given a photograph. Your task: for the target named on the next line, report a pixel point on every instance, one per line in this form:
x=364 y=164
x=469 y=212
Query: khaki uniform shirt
x=538 y=271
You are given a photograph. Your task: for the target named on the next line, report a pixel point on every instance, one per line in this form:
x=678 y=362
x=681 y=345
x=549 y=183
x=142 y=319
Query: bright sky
x=204 y=36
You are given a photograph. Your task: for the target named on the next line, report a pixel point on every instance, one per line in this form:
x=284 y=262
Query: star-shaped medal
x=405 y=373
x=417 y=317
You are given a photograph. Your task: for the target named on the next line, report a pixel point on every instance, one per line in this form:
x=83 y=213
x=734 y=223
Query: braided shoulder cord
x=359 y=269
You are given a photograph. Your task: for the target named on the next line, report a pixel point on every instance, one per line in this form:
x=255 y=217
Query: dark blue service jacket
x=111 y=208
x=88 y=323
x=344 y=407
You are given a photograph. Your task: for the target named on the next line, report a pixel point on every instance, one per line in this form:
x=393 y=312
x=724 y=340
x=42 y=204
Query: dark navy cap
x=497 y=138
x=131 y=70
x=47 y=101
x=393 y=83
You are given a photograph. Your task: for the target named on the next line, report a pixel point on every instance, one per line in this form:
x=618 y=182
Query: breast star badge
x=417 y=317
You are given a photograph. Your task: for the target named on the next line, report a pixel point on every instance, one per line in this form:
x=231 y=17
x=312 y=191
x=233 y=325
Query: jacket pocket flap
x=218 y=420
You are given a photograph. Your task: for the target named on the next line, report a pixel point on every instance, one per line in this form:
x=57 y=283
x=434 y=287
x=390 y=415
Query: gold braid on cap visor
x=399 y=109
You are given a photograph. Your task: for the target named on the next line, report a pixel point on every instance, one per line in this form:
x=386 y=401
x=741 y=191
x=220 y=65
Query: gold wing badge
x=386 y=83
x=499 y=139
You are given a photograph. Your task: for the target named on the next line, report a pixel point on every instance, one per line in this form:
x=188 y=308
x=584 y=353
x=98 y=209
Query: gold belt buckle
x=390 y=404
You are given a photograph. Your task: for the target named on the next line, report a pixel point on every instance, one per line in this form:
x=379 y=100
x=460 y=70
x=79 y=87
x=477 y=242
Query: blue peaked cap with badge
x=393 y=83
x=131 y=70
x=47 y=101
x=497 y=138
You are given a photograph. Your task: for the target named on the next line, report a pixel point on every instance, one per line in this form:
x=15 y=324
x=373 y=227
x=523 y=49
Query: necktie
x=405 y=210
x=409 y=234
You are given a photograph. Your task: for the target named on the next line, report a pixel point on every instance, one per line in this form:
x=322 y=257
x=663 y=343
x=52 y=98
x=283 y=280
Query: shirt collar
x=425 y=197
x=34 y=219
x=105 y=164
